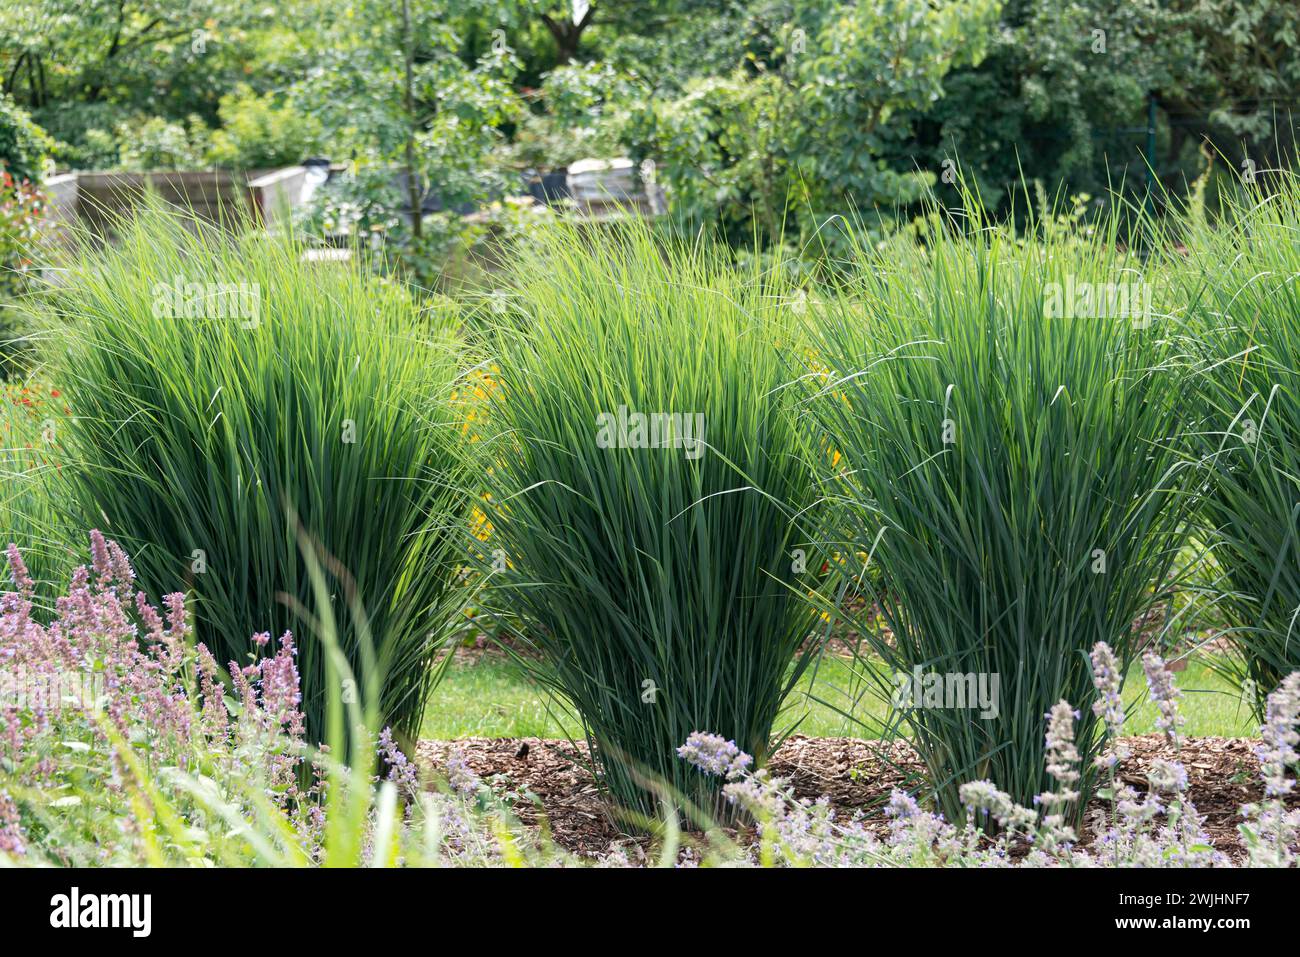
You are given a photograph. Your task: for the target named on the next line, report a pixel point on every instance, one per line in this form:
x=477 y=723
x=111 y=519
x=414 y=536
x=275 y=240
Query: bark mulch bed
x=552 y=780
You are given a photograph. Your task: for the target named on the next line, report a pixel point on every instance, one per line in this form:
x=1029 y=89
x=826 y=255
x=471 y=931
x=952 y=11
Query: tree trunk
x=412 y=183
x=567 y=34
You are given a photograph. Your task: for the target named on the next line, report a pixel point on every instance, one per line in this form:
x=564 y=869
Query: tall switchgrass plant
x=1240 y=285
x=1010 y=462
x=656 y=563
x=231 y=399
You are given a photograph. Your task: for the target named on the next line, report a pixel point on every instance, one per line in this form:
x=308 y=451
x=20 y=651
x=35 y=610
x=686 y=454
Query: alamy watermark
x=25 y=688
x=651 y=430
x=74 y=910
x=181 y=299
x=1099 y=300
x=956 y=689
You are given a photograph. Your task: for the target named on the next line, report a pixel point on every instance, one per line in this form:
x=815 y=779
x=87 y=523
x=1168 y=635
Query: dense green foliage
x=661 y=583
x=893 y=388
x=32 y=433
x=23 y=240
x=765 y=117
x=1014 y=467
x=1240 y=285
x=23 y=150
x=23 y=144
x=236 y=407
x=1007 y=467
x=808 y=130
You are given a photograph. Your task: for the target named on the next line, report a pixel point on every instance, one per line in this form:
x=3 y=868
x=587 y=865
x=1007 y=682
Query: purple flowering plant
x=158 y=755
x=1160 y=828
x=122 y=742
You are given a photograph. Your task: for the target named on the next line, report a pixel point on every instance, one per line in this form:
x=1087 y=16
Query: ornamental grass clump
x=647 y=478
x=238 y=407
x=1008 y=415
x=1242 y=296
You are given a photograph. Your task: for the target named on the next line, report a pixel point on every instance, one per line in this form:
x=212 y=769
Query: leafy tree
x=1230 y=75
x=23 y=144
x=1062 y=96
x=812 y=126
x=568 y=21
x=391 y=91
x=87 y=64
x=261 y=131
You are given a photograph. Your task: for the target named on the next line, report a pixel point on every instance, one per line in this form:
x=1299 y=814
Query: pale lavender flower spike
x=1165 y=694
x=1277 y=749
x=462 y=780
x=1109 y=706
x=714 y=754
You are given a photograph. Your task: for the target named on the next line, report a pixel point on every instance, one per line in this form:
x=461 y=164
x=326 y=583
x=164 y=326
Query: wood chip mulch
x=553 y=784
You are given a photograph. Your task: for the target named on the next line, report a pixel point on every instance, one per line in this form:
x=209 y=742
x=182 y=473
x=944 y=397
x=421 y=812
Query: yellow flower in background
x=479 y=386
x=823 y=371
x=825 y=615
x=480 y=524
x=480 y=383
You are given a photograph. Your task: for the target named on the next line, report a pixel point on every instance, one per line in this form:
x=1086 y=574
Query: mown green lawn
x=492 y=699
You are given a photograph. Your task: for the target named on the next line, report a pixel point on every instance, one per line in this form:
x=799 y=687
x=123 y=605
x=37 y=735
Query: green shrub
x=1014 y=470
x=23 y=144
x=149 y=143
x=257 y=134
x=24 y=244
x=83 y=133
x=1244 y=303
x=229 y=395
x=657 y=583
